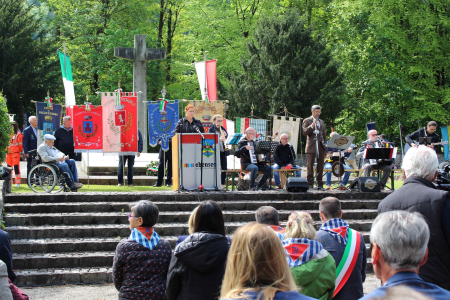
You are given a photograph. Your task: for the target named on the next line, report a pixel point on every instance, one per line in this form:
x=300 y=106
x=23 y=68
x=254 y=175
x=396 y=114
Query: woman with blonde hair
x=312 y=267
x=257 y=267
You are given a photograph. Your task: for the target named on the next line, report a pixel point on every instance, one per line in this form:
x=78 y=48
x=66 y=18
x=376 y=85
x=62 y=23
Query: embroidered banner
x=205 y=111
x=162 y=122
x=87 y=128
x=120 y=128
x=289 y=126
x=49 y=117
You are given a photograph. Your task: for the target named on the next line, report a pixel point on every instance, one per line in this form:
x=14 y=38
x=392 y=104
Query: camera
x=442 y=181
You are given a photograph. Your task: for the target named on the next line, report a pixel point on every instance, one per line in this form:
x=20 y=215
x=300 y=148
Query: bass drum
x=337 y=169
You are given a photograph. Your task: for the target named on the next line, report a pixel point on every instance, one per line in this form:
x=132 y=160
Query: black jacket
x=64 y=141
x=183 y=126
x=6 y=254
x=284 y=155
x=422 y=132
x=243 y=153
x=197 y=267
x=420 y=195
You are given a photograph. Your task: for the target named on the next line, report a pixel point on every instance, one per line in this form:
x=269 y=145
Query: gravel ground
x=107 y=291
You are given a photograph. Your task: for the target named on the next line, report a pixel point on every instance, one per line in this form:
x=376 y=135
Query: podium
x=187 y=155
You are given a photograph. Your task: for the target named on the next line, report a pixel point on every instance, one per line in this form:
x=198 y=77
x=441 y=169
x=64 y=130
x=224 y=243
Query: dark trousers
x=368 y=168
x=122 y=162
x=223 y=166
x=29 y=160
x=164 y=157
x=310 y=159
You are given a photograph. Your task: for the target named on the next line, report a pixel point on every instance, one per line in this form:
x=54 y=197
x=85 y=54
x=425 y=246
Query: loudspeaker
x=296 y=184
x=366 y=184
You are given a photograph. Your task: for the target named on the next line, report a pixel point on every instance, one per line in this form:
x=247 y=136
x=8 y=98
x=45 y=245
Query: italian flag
x=207 y=79
x=66 y=69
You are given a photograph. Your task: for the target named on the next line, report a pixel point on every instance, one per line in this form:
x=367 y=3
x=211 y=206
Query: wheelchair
x=46 y=177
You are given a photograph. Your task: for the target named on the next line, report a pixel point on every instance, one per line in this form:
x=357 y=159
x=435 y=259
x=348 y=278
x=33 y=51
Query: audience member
x=334 y=235
x=142 y=261
x=313 y=268
x=191 y=223
x=50 y=154
x=30 y=140
x=6 y=254
x=123 y=161
x=419 y=194
x=198 y=264
x=64 y=138
x=257 y=267
x=269 y=216
x=402 y=293
x=5 y=291
x=399 y=247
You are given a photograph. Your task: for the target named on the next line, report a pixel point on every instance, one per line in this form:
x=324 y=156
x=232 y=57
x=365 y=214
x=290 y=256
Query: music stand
x=264 y=147
x=380 y=154
x=233 y=139
x=340 y=142
x=425 y=141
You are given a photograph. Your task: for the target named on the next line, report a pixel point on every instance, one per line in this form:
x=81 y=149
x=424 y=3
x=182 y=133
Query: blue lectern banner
x=162 y=123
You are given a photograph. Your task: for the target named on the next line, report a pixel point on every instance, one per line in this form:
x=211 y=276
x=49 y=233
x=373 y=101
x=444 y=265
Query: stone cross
x=140 y=55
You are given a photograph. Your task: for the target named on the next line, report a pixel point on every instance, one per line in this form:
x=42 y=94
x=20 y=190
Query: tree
x=5 y=128
x=285 y=67
x=28 y=59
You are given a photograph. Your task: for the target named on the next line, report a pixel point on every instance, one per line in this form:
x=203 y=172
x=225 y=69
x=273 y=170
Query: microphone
x=198 y=130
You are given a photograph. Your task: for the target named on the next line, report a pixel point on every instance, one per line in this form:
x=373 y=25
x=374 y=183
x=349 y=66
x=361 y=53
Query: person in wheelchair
x=50 y=154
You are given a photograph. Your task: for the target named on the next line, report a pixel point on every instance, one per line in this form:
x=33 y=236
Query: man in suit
x=30 y=140
x=312 y=126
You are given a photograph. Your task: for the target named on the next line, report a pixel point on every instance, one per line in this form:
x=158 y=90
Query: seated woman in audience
x=313 y=268
x=191 y=227
x=142 y=261
x=198 y=264
x=257 y=267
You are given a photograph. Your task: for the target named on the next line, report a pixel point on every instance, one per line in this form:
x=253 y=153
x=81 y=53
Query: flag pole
x=65 y=67
x=206 y=88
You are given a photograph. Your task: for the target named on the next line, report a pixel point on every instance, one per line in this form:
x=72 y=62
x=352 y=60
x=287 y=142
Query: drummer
x=329 y=163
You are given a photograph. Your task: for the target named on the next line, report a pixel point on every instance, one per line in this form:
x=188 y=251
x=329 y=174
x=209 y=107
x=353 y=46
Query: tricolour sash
x=348 y=260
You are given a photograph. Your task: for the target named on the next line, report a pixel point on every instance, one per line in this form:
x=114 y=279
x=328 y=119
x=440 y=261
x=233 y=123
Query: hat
x=49 y=137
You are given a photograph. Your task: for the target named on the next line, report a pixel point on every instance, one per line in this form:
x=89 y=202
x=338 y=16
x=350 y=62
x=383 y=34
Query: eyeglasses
x=283 y=138
x=220 y=121
x=130 y=216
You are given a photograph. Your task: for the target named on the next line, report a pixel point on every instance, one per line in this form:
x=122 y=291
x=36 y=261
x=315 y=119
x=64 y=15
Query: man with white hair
x=419 y=194
x=284 y=157
x=371 y=164
x=30 y=140
x=50 y=154
x=399 y=241
x=243 y=151
x=64 y=137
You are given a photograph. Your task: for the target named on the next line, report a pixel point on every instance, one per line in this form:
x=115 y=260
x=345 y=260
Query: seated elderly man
x=269 y=216
x=419 y=194
x=50 y=154
x=284 y=156
x=399 y=248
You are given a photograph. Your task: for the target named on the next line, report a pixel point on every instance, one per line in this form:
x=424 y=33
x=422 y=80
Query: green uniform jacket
x=316 y=278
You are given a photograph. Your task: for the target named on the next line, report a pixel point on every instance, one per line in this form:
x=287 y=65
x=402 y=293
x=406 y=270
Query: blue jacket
x=29 y=140
x=6 y=253
x=411 y=280
x=353 y=289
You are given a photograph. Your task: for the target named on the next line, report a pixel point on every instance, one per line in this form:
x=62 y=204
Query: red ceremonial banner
x=211 y=78
x=87 y=128
x=120 y=126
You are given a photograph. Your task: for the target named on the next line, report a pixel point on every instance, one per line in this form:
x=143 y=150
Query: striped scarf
x=300 y=251
x=338 y=230
x=145 y=236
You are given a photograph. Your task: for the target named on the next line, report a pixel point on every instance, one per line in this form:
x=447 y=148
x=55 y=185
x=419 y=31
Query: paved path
x=108 y=291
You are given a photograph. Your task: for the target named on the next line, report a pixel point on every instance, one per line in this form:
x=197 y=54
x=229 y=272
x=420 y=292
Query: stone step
x=171 y=197
x=122 y=230
x=77 y=259
x=50 y=276
x=93 y=207
x=13 y=219
x=83 y=244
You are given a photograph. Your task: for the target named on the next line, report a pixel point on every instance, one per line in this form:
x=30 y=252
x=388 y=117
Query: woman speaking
x=189 y=124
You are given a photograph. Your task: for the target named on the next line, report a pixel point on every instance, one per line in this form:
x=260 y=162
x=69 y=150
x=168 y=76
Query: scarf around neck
x=300 y=251
x=145 y=236
x=338 y=230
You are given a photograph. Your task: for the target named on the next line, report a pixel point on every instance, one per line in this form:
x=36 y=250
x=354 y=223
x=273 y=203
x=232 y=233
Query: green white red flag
x=66 y=69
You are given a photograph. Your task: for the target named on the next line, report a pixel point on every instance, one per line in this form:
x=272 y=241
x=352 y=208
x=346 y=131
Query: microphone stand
x=270 y=163
x=201 y=156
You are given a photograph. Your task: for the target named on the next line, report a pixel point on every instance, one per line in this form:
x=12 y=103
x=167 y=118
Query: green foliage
x=286 y=67
x=5 y=129
x=28 y=59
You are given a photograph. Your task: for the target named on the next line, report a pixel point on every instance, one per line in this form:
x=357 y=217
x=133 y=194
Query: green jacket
x=316 y=278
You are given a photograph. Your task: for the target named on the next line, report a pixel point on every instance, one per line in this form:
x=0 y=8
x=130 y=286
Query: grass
x=101 y=188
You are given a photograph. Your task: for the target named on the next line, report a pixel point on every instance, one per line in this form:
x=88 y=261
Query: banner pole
x=88 y=167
